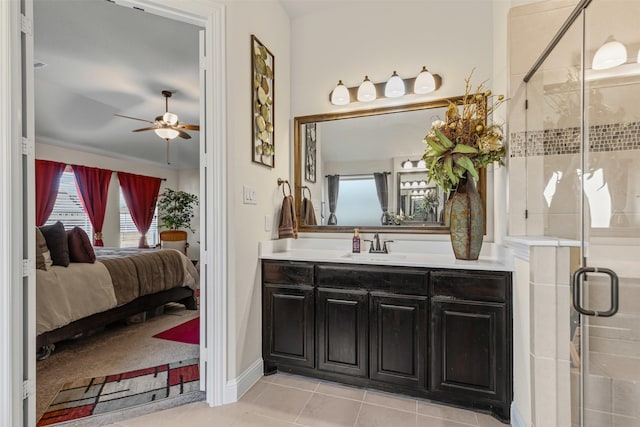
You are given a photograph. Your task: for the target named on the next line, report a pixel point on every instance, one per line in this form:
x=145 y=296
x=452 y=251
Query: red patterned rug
x=188 y=332
x=99 y=395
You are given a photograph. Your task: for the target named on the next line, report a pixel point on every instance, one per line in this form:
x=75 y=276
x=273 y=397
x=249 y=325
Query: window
x=129 y=235
x=358 y=201
x=68 y=207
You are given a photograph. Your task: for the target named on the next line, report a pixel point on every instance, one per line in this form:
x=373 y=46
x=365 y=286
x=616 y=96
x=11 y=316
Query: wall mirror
x=352 y=165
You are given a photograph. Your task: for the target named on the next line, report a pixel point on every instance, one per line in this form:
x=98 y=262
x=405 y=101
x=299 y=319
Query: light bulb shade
x=340 y=94
x=425 y=83
x=422 y=164
x=609 y=55
x=394 y=87
x=367 y=91
x=407 y=165
x=166 y=133
x=170 y=118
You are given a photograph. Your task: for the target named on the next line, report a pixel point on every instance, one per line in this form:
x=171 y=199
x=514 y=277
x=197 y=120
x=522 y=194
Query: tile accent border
x=608 y=137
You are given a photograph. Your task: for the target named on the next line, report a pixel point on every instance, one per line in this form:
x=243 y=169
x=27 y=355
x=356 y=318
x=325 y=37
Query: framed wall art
x=262 y=104
x=310 y=153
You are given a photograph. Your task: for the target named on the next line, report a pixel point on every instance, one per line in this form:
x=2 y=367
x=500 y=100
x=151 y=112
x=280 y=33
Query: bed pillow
x=80 y=248
x=43 y=256
x=56 y=238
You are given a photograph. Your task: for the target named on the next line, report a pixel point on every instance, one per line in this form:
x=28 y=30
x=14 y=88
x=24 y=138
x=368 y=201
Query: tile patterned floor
x=288 y=400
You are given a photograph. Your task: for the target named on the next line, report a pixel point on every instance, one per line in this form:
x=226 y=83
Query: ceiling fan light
x=609 y=55
x=425 y=83
x=170 y=118
x=366 y=91
x=340 y=94
x=394 y=87
x=166 y=133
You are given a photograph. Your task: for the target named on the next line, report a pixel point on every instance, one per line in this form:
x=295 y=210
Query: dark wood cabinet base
x=436 y=334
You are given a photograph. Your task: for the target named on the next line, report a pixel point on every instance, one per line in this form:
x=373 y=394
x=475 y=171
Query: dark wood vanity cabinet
x=471 y=338
x=439 y=334
x=398 y=339
x=288 y=316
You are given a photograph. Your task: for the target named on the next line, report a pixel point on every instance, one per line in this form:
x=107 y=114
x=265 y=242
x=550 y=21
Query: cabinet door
x=469 y=350
x=398 y=326
x=342 y=331
x=288 y=324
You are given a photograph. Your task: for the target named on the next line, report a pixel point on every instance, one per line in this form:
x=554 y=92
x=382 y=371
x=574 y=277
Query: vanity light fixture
x=366 y=91
x=340 y=94
x=425 y=83
x=421 y=164
x=394 y=87
x=609 y=55
x=407 y=165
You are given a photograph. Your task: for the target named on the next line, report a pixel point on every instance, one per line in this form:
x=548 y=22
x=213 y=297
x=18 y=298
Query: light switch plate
x=249 y=196
x=267 y=223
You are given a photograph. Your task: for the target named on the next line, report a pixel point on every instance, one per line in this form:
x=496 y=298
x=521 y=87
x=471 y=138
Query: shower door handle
x=577 y=291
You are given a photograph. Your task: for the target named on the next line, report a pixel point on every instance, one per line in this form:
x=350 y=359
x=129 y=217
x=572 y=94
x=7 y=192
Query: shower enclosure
x=580 y=148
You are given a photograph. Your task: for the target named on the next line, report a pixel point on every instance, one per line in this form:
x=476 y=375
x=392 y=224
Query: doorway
x=212 y=178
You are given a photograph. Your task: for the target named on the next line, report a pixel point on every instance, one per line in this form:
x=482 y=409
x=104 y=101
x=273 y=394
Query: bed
x=82 y=297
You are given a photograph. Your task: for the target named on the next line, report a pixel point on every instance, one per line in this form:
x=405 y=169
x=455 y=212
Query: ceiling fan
x=166 y=126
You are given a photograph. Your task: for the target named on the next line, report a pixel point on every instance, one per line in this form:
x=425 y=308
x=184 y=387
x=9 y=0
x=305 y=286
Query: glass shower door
x=610 y=180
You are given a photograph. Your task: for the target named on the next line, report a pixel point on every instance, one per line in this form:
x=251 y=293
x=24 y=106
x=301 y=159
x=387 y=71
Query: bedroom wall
x=111 y=230
x=189 y=181
x=246 y=223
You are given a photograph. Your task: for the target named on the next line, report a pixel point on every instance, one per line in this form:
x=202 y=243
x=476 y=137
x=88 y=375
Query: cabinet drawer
x=389 y=279
x=471 y=285
x=287 y=272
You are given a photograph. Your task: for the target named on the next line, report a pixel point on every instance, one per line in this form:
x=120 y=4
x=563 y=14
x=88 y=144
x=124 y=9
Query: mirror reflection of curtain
x=382 y=188
x=333 y=189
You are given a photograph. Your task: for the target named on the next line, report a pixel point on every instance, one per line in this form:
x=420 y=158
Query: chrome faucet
x=375 y=248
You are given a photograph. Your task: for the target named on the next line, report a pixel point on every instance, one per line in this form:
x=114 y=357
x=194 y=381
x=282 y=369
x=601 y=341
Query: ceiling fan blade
x=183 y=135
x=149 y=128
x=133 y=118
x=188 y=127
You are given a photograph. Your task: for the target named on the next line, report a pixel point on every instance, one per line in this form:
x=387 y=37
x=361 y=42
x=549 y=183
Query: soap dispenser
x=356 y=241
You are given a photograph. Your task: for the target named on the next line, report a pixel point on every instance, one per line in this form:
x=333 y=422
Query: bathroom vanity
x=439 y=330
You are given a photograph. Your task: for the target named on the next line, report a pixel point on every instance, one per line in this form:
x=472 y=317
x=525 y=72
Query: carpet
x=188 y=332
x=100 y=395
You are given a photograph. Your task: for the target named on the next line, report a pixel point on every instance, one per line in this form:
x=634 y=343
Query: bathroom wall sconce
x=394 y=87
x=609 y=55
x=413 y=164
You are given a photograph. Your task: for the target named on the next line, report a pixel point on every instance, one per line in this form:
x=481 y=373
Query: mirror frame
x=327 y=117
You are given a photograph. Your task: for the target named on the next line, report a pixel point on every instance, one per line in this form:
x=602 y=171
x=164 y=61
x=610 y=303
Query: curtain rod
x=71 y=166
x=556 y=39
x=356 y=174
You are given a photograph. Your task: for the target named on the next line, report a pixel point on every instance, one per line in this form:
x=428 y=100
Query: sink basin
x=366 y=256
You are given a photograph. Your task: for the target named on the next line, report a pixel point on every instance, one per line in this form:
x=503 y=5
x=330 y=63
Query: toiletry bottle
x=356 y=241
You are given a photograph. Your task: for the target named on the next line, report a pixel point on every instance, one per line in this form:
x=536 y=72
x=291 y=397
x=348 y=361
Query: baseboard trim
x=516 y=418
x=237 y=387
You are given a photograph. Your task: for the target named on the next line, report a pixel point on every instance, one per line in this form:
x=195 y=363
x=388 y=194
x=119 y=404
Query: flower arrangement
x=464 y=142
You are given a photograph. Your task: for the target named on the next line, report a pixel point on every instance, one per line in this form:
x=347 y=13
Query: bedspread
x=67 y=294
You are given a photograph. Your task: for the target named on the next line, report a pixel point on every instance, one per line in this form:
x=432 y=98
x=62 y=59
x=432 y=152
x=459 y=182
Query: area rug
x=100 y=395
x=188 y=332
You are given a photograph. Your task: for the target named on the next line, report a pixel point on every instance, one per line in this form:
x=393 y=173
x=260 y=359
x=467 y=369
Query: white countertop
x=408 y=253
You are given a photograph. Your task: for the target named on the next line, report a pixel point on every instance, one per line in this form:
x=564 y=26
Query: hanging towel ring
x=304 y=187
x=282 y=182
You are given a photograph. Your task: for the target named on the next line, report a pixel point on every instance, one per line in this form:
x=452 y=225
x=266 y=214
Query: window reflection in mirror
x=356 y=145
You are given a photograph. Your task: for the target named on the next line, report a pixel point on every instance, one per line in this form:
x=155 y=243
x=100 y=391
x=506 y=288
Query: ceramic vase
x=466 y=220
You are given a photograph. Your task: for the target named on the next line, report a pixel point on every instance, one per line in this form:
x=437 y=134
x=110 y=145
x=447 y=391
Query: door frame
x=15 y=204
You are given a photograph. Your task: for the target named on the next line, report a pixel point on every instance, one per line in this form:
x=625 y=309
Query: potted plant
x=457 y=148
x=176 y=208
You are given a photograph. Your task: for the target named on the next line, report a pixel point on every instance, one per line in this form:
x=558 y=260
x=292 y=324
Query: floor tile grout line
x=358 y=414
x=306 y=403
x=340 y=397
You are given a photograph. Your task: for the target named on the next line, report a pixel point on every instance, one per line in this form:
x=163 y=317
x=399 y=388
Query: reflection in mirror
x=352 y=164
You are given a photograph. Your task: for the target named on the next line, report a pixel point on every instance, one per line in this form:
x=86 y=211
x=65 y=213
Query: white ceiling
x=104 y=59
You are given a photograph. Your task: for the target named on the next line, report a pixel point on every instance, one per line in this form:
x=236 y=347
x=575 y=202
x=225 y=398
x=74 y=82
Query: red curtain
x=48 y=175
x=141 y=194
x=93 y=186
